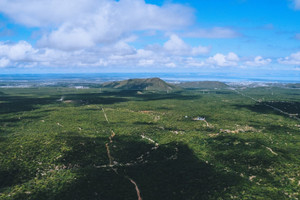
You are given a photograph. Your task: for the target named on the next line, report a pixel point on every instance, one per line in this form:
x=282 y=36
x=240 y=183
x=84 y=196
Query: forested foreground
x=64 y=143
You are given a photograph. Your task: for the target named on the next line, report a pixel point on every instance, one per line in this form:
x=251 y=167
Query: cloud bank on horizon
x=104 y=35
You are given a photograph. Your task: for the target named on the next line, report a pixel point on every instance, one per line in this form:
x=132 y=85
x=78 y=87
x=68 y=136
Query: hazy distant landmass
x=295 y=85
x=168 y=77
x=184 y=80
x=203 y=84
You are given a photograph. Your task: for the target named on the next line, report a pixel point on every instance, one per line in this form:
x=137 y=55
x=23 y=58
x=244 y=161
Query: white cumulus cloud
x=4 y=62
x=293 y=59
x=176 y=46
x=231 y=59
x=258 y=61
x=77 y=24
x=173 y=53
x=19 y=51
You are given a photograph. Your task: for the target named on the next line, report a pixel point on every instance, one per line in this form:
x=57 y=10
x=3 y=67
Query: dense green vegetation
x=54 y=142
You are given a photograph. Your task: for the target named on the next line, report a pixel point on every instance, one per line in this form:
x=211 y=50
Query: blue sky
x=216 y=36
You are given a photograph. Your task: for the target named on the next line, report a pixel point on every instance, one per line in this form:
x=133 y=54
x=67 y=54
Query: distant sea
x=169 y=77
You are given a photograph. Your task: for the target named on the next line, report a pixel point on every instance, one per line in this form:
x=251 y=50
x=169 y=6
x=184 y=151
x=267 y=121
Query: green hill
x=203 y=84
x=155 y=84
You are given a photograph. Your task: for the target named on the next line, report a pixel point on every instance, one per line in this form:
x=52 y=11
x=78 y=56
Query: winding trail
x=142 y=158
x=139 y=160
x=111 y=160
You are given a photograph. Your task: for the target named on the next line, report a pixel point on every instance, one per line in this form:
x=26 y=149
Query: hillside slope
x=140 y=84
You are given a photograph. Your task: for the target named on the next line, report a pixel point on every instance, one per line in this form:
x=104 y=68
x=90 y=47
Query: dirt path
x=136 y=188
x=111 y=160
x=207 y=124
x=105 y=115
x=150 y=140
x=139 y=160
x=271 y=151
